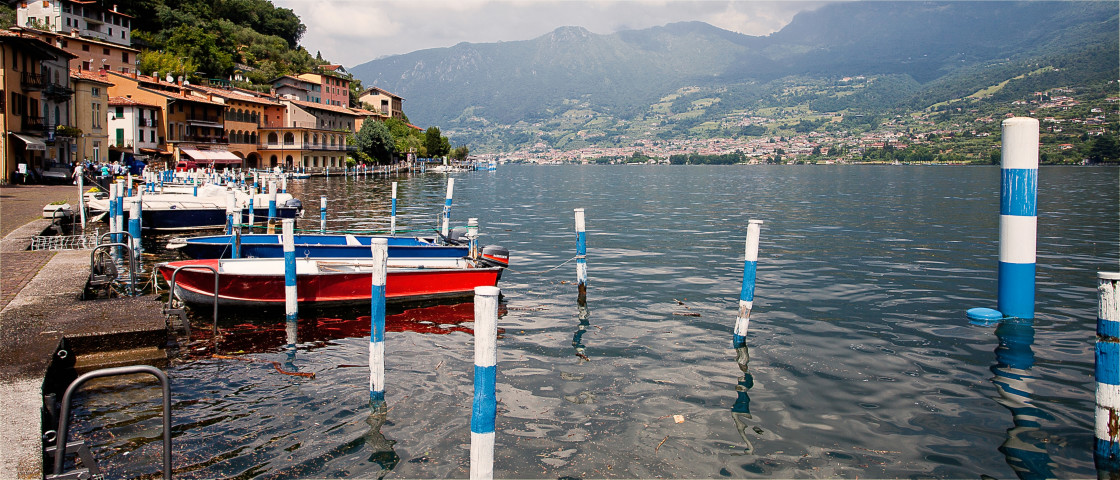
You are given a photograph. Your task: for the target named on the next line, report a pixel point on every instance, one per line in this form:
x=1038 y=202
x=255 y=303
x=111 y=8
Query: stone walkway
x=19 y=206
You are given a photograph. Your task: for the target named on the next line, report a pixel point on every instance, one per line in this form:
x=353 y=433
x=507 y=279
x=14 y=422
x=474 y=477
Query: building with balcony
x=133 y=127
x=334 y=89
x=87 y=18
x=91 y=53
x=91 y=111
x=34 y=101
x=384 y=102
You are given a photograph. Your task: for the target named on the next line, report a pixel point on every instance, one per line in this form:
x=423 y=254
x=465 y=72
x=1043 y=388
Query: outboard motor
x=296 y=204
x=457 y=236
x=495 y=255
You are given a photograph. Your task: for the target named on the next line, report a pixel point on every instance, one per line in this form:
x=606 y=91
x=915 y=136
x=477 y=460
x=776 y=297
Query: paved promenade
x=19 y=206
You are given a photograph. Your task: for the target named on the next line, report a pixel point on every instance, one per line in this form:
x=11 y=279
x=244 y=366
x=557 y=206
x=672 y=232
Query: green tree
x=201 y=47
x=460 y=153
x=1104 y=149
x=375 y=140
x=435 y=143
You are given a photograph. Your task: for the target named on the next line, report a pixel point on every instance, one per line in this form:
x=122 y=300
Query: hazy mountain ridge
x=917 y=48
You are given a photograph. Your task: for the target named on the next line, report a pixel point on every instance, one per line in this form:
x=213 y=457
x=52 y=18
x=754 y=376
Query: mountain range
x=504 y=95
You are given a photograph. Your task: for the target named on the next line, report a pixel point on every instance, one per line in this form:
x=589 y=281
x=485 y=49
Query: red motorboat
x=328 y=282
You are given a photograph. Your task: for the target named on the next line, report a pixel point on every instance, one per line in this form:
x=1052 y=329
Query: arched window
x=315 y=141
x=289 y=139
x=272 y=139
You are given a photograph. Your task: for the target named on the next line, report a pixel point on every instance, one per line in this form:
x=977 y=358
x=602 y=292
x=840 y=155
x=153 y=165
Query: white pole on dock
x=746 y=294
x=231 y=202
x=393 y=212
x=291 y=308
x=82 y=195
x=120 y=209
x=1018 y=220
x=128 y=187
x=322 y=214
x=284 y=184
x=581 y=251
x=485 y=407
x=379 y=248
x=1106 y=455
x=251 y=212
x=447 y=207
x=113 y=212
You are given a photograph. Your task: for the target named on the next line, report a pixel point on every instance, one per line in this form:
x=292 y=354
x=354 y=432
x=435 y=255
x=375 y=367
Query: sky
x=352 y=32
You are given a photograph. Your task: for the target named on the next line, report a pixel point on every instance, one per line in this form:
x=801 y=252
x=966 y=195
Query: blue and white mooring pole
x=393 y=212
x=134 y=227
x=322 y=214
x=485 y=408
x=1018 y=217
x=113 y=213
x=447 y=207
x=291 y=308
x=1018 y=224
x=251 y=210
x=581 y=251
x=379 y=248
x=1106 y=455
x=746 y=294
x=120 y=210
x=271 y=200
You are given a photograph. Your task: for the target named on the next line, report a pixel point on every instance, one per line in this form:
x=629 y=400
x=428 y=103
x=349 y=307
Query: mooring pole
x=134 y=228
x=485 y=407
x=271 y=200
x=81 y=194
x=120 y=210
x=1106 y=456
x=379 y=248
x=1018 y=220
x=746 y=294
x=393 y=212
x=322 y=214
x=447 y=207
x=291 y=308
x=581 y=252
x=231 y=202
x=252 y=214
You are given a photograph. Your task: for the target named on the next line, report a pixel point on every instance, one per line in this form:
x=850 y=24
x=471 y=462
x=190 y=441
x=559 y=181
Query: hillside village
x=72 y=93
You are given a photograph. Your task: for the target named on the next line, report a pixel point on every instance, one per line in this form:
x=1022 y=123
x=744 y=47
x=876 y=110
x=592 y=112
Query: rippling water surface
x=861 y=361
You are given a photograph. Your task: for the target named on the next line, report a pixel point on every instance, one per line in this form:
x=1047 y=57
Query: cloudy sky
x=352 y=32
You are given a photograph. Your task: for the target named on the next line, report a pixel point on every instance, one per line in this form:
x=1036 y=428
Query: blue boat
x=314 y=246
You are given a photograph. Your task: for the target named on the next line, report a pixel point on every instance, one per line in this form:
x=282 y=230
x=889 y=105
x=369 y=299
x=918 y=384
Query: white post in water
x=485 y=408
x=291 y=308
x=447 y=207
x=746 y=295
x=581 y=251
x=322 y=214
x=379 y=248
x=120 y=210
x=113 y=212
x=271 y=200
x=134 y=228
x=1018 y=220
x=393 y=212
x=1106 y=455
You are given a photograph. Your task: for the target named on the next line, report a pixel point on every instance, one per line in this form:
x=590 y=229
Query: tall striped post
x=231 y=203
x=120 y=209
x=113 y=211
x=1106 y=455
x=472 y=237
x=271 y=200
x=379 y=248
x=128 y=185
x=252 y=213
x=322 y=214
x=284 y=184
x=447 y=207
x=1018 y=217
x=746 y=294
x=485 y=407
x=581 y=252
x=236 y=240
x=291 y=308
x=134 y=227
x=393 y=212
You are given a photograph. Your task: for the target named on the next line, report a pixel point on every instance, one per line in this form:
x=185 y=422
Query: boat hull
x=181 y=219
x=315 y=246
x=318 y=286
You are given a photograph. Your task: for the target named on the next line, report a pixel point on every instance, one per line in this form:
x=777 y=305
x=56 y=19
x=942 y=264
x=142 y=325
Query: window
x=124 y=57
x=119 y=112
x=152 y=135
x=104 y=51
x=96 y=151
x=120 y=137
x=95 y=110
x=85 y=48
x=95 y=92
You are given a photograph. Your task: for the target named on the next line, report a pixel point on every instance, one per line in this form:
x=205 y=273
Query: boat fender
x=495 y=255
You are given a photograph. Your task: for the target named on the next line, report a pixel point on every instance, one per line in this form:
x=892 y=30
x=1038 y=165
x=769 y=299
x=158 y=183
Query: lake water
x=861 y=360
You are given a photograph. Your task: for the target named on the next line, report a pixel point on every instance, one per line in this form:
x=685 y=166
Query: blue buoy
x=984 y=317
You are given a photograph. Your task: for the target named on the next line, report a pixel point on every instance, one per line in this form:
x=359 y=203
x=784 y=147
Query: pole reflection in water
x=584 y=322
x=1025 y=447
x=381 y=448
x=291 y=330
x=741 y=410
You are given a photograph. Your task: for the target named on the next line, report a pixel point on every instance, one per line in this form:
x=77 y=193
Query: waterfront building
x=383 y=101
x=246 y=112
x=312 y=136
x=87 y=18
x=35 y=101
x=334 y=89
x=191 y=127
x=91 y=53
x=91 y=111
x=133 y=127
x=297 y=88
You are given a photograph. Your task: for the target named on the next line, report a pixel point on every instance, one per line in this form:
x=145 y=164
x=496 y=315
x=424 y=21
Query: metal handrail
x=171 y=296
x=131 y=262
x=131 y=239
x=64 y=419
